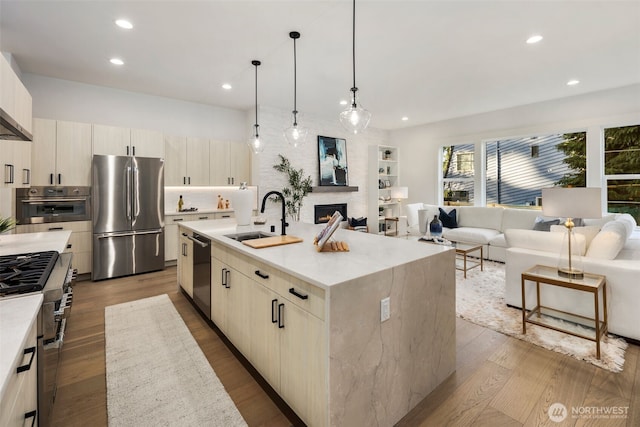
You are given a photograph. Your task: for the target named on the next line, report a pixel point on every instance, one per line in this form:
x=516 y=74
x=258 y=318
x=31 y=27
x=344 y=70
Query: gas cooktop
x=25 y=272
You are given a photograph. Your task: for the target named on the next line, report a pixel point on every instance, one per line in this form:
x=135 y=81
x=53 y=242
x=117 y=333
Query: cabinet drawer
x=73 y=226
x=306 y=296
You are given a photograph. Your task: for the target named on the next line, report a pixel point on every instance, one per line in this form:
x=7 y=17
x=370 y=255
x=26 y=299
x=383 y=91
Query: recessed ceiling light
x=123 y=23
x=226 y=86
x=116 y=61
x=405 y=118
x=573 y=82
x=343 y=102
x=534 y=39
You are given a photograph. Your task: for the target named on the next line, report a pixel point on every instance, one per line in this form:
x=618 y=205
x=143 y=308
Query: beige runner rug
x=156 y=373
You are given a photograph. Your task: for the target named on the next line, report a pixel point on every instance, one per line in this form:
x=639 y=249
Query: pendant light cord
x=256 y=63
x=354 y=89
x=295 y=86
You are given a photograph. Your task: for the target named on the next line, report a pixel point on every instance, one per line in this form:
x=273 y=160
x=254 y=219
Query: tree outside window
x=622 y=169
x=457 y=174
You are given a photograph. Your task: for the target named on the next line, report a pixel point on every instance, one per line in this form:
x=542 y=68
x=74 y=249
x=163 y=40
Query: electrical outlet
x=385 y=309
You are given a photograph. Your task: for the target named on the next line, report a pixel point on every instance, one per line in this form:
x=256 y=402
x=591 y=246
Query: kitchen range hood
x=10 y=129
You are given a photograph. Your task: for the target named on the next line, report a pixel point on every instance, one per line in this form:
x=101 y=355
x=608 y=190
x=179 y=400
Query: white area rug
x=480 y=299
x=156 y=373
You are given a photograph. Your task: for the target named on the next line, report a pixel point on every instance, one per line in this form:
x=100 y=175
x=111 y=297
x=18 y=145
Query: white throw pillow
x=608 y=242
x=412 y=214
x=628 y=221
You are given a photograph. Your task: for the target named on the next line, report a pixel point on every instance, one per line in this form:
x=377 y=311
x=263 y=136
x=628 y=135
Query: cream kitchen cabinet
x=186 y=161
x=171 y=231
x=15 y=160
x=80 y=242
x=230 y=163
x=185 y=264
x=118 y=141
x=277 y=322
x=19 y=403
x=61 y=153
x=15 y=99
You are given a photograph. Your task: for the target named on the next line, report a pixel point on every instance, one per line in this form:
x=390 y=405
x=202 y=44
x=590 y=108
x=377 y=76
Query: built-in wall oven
x=37 y=205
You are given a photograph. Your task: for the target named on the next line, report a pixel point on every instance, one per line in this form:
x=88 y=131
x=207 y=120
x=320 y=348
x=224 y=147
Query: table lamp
x=399 y=193
x=571 y=203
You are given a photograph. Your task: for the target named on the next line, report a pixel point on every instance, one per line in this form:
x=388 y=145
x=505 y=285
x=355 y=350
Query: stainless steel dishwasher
x=202 y=273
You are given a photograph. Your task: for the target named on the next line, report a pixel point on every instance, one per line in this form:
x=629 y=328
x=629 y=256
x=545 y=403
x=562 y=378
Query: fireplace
x=322 y=213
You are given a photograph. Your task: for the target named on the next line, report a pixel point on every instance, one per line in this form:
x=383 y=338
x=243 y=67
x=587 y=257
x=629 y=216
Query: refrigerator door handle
x=127 y=234
x=136 y=188
x=128 y=193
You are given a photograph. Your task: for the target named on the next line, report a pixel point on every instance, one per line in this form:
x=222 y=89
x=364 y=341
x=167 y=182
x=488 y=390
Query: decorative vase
x=243 y=200
x=435 y=227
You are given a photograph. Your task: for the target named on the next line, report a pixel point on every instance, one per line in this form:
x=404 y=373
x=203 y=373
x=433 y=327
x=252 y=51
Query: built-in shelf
x=334 y=189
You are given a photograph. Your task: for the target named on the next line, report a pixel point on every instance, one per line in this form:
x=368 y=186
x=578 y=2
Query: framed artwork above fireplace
x=332 y=161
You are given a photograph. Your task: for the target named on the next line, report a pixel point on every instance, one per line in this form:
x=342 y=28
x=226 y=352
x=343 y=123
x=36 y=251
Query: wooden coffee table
x=462 y=251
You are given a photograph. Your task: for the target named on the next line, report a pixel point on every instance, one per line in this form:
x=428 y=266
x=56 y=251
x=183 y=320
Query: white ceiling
x=428 y=60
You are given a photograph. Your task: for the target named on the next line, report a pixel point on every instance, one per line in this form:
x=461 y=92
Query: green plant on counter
x=297 y=189
x=7 y=224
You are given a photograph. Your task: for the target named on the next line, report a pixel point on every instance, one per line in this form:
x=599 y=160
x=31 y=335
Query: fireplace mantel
x=334 y=189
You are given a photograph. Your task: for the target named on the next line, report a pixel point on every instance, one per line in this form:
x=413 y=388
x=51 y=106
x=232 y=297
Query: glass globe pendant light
x=355 y=118
x=295 y=134
x=255 y=143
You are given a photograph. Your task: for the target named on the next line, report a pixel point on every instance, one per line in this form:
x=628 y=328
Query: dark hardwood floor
x=499 y=381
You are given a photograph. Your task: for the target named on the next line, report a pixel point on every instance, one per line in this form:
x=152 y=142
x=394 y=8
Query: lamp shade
x=580 y=202
x=399 y=192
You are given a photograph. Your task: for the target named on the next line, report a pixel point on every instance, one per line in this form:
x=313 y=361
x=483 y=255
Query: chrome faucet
x=283 y=219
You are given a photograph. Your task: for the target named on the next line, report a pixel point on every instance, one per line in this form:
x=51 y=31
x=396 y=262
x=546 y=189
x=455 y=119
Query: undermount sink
x=249 y=235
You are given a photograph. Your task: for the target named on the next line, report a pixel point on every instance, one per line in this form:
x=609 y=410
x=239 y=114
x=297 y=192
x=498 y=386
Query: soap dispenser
x=180 y=203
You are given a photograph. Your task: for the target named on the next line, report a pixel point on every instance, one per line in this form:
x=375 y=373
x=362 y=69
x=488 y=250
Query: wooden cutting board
x=266 y=242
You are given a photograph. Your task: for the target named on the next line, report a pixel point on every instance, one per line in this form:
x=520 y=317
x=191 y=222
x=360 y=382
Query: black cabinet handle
x=55 y=228
x=26 y=367
x=179 y=219
x=189 y=179
x=69 y=246
x=293 y=291
x=264 y=276
x=184 y=249
x=226 y=275
x=127 y=150
x=51 y=178
x=274 y=318
x=226 y=216
x=184 y=180
x=280 y=316
x=26 y=176
x=134 y=150
x=203 y=217
x=31 y=414
x=59 y=178
x=9 y=168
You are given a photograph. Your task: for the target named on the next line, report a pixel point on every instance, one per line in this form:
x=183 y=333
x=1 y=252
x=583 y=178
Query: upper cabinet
x=186 y=161
x=15 y=99
x=15 y=160
x=120 y=141
x=61 y=153
x=230 y=163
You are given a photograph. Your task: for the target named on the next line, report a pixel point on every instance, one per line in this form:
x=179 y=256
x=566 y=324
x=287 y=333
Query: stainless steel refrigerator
x=127 y=215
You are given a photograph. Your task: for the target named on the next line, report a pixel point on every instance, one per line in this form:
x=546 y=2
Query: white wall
x=272 y=123
x=421 y=145
x=66 y=100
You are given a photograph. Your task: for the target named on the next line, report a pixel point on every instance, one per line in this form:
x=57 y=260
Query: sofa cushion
x=539 y=241
x=609 y=241
x=519 y=218
x=480 y=217
x=499 y=241
x=448 y=218
x=628 y=221
x=589 y=232
x=470 y=234
x=544 y=224
x=599 y=222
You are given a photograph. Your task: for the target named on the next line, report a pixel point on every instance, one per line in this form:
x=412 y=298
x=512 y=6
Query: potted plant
x=6 y=224
x=297 y=189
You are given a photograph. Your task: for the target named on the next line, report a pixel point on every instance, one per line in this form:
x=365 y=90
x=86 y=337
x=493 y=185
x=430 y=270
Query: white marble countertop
x=17 y=315
x=11 y=244
x=199 y=211
x=369 y=253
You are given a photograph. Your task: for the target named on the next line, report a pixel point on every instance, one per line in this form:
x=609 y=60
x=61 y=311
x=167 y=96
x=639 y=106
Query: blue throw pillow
x=448 y=219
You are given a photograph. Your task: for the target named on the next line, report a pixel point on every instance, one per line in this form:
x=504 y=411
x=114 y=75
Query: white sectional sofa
x=481 y=225
x=613 y=251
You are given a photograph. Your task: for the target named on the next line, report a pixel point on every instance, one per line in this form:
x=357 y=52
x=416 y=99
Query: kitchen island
x=310 y=322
